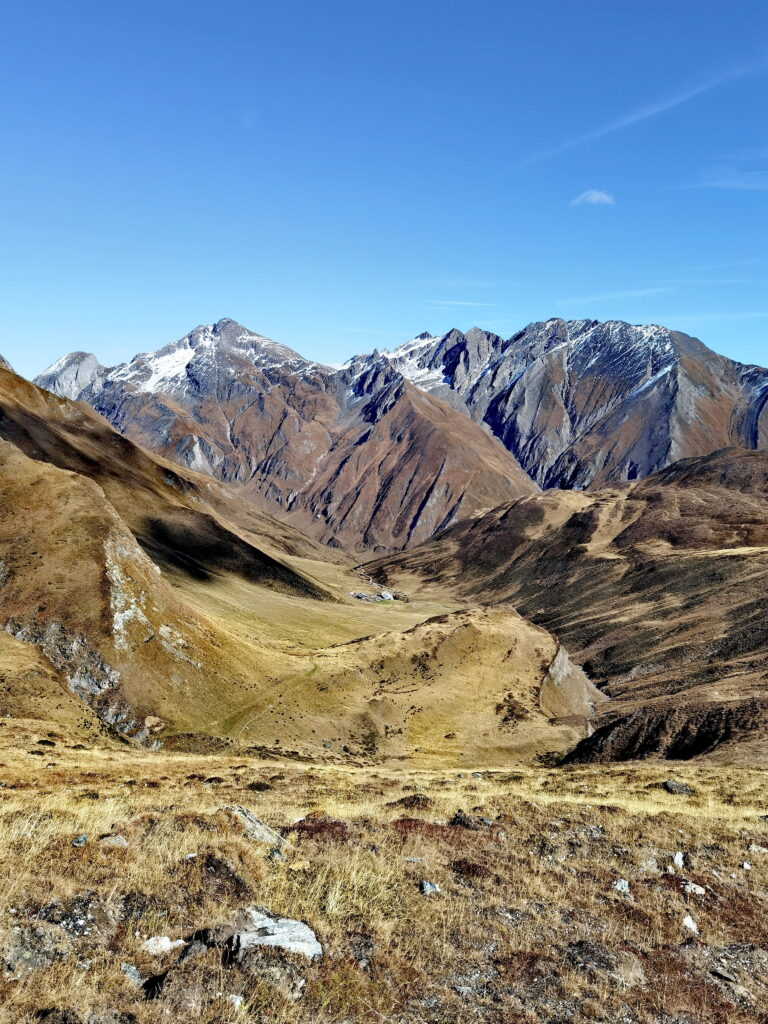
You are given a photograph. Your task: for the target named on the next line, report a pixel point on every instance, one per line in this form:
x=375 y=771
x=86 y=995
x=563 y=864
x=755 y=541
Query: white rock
x=257 y=928
x=679 y=859
x=116 y=841
x=160 y=944
x=755 y=848
x=690 y=924
x=747 y=865
x=621 y=886
x=254 y=828
x=694 y=890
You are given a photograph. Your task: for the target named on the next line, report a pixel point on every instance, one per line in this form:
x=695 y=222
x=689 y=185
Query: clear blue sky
x=343 y=174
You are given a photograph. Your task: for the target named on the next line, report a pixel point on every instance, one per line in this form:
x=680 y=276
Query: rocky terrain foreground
x=142 y=887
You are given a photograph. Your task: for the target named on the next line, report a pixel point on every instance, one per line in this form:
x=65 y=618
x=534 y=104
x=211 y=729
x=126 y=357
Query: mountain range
x=393 y=447
x=463 y=551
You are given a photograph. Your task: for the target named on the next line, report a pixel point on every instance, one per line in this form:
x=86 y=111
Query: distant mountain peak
x=69 y=376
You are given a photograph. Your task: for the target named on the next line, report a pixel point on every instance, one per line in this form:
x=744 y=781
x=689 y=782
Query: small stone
x=679 y=859
x=133 y=974
x=256 y=927
x=747 y=865
x=693 y=889
x=113 y=841
x=413 y=860
x=690 y=924
x=428 y=888
x=80 y=840
x=236 y=1001
x=755 y=848
x=276 y=855
x=721 y=972
x=299 y=865
x=253 y=827
x=160 y=944
x=677 y=788
x=621 y=886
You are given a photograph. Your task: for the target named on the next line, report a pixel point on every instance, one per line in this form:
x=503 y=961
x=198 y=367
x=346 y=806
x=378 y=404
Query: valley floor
x=580 y=894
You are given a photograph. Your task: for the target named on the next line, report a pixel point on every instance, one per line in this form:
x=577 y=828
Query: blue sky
x=342 y=175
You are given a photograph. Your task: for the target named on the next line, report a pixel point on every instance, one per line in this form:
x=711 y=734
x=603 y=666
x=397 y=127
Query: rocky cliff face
x=583 y=404
x=358 y=456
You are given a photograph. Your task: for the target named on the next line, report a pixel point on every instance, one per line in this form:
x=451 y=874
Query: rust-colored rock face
x=358 y=457
x=584 y=404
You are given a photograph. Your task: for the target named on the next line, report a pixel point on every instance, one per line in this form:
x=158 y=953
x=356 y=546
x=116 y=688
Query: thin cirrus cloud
x=646 y=113
x=707 y=317
x=594 y=197
x=451 y=304
x=635 y=293
x=735 y=180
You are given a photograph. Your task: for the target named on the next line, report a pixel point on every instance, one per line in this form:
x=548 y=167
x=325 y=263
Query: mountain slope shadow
x=196 y=544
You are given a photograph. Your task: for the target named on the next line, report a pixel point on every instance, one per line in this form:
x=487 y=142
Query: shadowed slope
x=659 y=590
x=181 y=517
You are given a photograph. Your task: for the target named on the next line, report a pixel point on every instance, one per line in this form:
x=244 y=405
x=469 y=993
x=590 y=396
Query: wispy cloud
x=735 y=179
x=647 y=112
x=745 y=170
x=716 y=266
x=711 y=280
x=593 y=197
x=451 y=304
x=706 y=317
x=471 y=282
x=368 y=330
x=634 y=293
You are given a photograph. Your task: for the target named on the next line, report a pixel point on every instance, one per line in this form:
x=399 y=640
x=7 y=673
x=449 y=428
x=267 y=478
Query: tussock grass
x=502 y=941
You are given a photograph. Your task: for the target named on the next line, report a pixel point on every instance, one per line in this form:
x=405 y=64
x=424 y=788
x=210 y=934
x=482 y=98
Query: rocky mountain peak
x=69 y=376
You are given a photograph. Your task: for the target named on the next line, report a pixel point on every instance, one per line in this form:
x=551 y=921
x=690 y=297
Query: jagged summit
x=69 y=376
x=577 y=404
x=585 y=403
x=4 y=364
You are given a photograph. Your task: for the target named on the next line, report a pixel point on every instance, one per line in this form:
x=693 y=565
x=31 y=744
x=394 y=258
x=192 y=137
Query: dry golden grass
x=503 y=941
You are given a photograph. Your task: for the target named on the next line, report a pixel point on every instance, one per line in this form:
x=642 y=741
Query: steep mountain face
x=584 y=404
x=69 y=376
x=658 y=589
x=358 y=456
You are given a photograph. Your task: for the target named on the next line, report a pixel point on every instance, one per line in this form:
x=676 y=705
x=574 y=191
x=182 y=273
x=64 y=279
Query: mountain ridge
x=567 y=404
x=357 y=456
